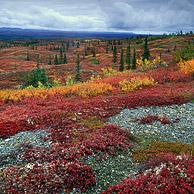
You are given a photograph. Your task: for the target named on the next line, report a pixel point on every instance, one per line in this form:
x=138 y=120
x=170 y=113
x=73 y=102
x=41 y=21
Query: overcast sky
x=99 y=15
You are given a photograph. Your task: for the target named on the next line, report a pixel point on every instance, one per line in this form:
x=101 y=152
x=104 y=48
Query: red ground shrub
x=48 y=113
x=175 y=176
x=53 y=177
x=105 y=140
x=9 y=128
x=151 y=118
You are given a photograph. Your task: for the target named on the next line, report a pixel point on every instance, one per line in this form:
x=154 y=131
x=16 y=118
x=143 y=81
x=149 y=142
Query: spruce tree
x=67 y=45
x=128 y=57
x=27 y=56
x=65 y=59
x=160 y=58
x=85 y=51
x=35 y=76
x=112 y=47
x=107 y=48
x=114 y=54
x=94 y=52
x=61 y=56
x=38 y=60
x=50 y=60
x=78 y=44
x=146 y=53
x=78 y=69
x=122 y=67
x=56 y=62
x=134 y=59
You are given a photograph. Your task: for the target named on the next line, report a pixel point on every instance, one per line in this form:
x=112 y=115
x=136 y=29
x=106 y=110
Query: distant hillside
x=21 y=34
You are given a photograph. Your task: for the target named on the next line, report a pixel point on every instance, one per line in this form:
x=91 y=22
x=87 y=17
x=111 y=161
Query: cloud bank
x=99 y=15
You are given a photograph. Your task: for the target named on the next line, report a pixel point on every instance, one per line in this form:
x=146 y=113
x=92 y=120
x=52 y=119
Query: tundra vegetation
x=97 y=115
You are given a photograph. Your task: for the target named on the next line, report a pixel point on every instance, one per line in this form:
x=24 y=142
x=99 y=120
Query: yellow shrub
x=148 y=64
x=95 y=77
x=91 y=89
x=186 y=67
x=81 y=89
x=69 y=80
x=136 y=83
x=159 y=62
x=145 y=65
x=108 y=71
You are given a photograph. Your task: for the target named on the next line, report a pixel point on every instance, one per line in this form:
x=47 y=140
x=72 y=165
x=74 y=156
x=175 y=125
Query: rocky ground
x=178 y=128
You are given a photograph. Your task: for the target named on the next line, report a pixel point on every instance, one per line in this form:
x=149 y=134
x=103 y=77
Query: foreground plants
x=168 y=174
x=57 y=169
x=145 y=65
x=136 y=83
x=186 y=67
x=79 y=152
x=83 y=90
x=56 y=176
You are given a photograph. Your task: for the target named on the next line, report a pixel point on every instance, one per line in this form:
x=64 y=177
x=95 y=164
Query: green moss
x=92 y=122
x=157 y=147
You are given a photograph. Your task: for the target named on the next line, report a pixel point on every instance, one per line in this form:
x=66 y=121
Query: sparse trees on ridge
x=146 y=53
x=128 y=57
x=122 y=67
x=78 y=69
x=134 y=59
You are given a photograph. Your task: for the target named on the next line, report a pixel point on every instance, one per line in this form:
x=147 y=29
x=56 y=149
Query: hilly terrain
x=104 y=114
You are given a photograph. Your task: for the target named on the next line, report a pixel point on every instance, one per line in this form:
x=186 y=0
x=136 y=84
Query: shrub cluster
x=38 y=112
x=53 y=177
x=145 y=65
x=186 y=67
x=82 y=89
x=171 y=175
x=136 y=83
x=151 y=118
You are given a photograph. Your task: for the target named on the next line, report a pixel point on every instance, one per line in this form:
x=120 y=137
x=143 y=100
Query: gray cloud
x=103 y=15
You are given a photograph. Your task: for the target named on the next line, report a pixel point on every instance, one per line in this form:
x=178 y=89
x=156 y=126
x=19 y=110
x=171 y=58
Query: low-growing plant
x=186 y=67
x=54 y=177
x=145 y=65
x=109 y=71
x=186 y=53
x=56 y=82
x=173 y=175
x=158 y=147
x=69 y=80
x=92 y=122
x=95 y=77
x=136 y=83
x=151 y=118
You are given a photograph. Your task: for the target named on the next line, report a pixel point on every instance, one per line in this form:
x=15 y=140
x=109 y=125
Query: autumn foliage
x=75 y=118
x=170 y=174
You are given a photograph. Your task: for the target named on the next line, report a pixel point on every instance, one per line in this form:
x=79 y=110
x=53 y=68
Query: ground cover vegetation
x=97 y=116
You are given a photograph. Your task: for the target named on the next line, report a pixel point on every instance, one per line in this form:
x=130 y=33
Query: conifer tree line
x=78 y=69
x=122 y=65
x=146 y=53
x=58 y=59
x=131 y=62
x=131 y=56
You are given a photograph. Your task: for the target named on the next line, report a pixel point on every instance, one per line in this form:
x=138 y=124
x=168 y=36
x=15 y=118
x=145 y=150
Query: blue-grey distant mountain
x=24 y=34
